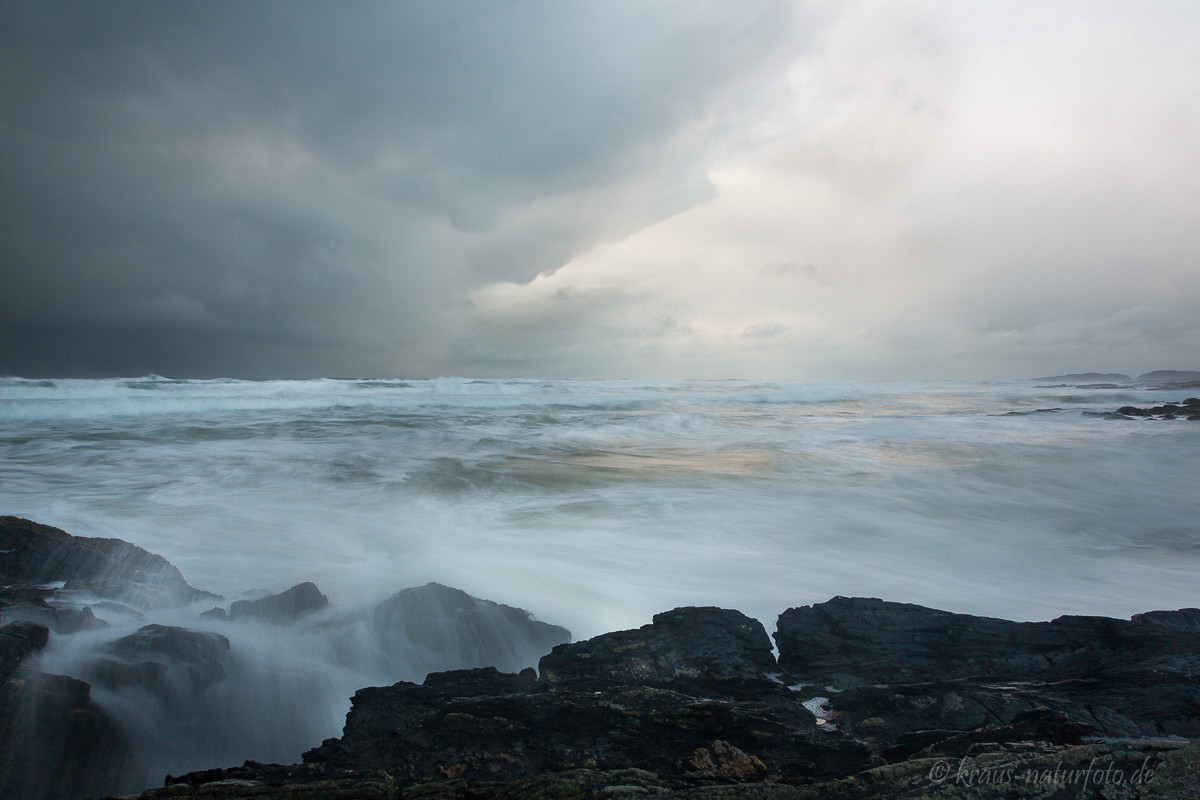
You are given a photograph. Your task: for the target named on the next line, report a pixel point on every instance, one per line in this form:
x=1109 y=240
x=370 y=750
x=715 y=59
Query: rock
x=18 y=641
x=847 y=642
x=493 y=727
x=435 y=627
x=694 y=646
x=296 y=785
x=56 y=743
x=1036 y=725
x=119 y=609
x=1031 y=413
x=173 y=664
x=690 y=697
x=1134 y=411
x=907 y=669
x=721 y=760
x=936 y=705
x=59 y=618
x=289 y=606
x=1188 y=409
x=214 y=613
x=1105 y=415
x=23 y=591
x=108 y=568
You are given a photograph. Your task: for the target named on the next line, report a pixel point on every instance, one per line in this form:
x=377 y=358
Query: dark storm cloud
x=293 y=188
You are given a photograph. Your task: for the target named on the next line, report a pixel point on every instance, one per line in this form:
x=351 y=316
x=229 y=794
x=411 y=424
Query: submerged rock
x=288 y=606
x=108 y=568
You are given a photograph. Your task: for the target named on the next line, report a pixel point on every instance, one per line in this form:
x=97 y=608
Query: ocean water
x=593 y=505
x=597 y=504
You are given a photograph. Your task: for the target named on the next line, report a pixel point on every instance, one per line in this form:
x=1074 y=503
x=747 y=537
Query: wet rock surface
x=906 y=668
x=913 y=702
x=35 y=555
x=868 y=699
x=712 y=650
x=55 y=742
x=174 y=664
x=1188 y=409
x=162 y=698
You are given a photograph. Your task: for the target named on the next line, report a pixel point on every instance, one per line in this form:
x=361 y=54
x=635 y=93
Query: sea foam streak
x=596 y=504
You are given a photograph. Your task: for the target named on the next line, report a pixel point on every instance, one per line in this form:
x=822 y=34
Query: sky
x=903 y=189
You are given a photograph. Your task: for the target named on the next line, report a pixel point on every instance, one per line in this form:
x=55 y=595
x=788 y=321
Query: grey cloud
x=333 y=179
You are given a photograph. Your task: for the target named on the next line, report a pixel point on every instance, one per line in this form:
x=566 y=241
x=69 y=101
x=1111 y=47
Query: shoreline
x=866 y=699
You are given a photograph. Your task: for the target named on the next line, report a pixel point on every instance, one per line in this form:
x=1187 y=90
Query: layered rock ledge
x=869 y=699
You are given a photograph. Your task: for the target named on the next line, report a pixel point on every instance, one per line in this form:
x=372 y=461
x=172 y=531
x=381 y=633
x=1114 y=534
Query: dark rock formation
x=711 y=648
x=18 y=641
x=108 y=568
x=173 y=664
x=289 y=606
x=118 y=610
x=908 y=668
x=936 y=705
x=850 y=641
x=483 y=725
x=1187 y=409
x=690 y=699
x=59 y=618
x=432 y=626
x=55 y=742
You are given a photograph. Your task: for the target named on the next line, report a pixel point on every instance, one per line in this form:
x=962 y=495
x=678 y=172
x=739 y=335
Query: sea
x=596 y=504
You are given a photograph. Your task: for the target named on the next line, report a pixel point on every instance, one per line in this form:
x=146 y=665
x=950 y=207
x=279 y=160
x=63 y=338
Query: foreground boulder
x=107 y=568
x=55 y=741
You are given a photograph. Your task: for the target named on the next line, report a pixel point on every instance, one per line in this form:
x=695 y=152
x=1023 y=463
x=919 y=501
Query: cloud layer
x=874 y=190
